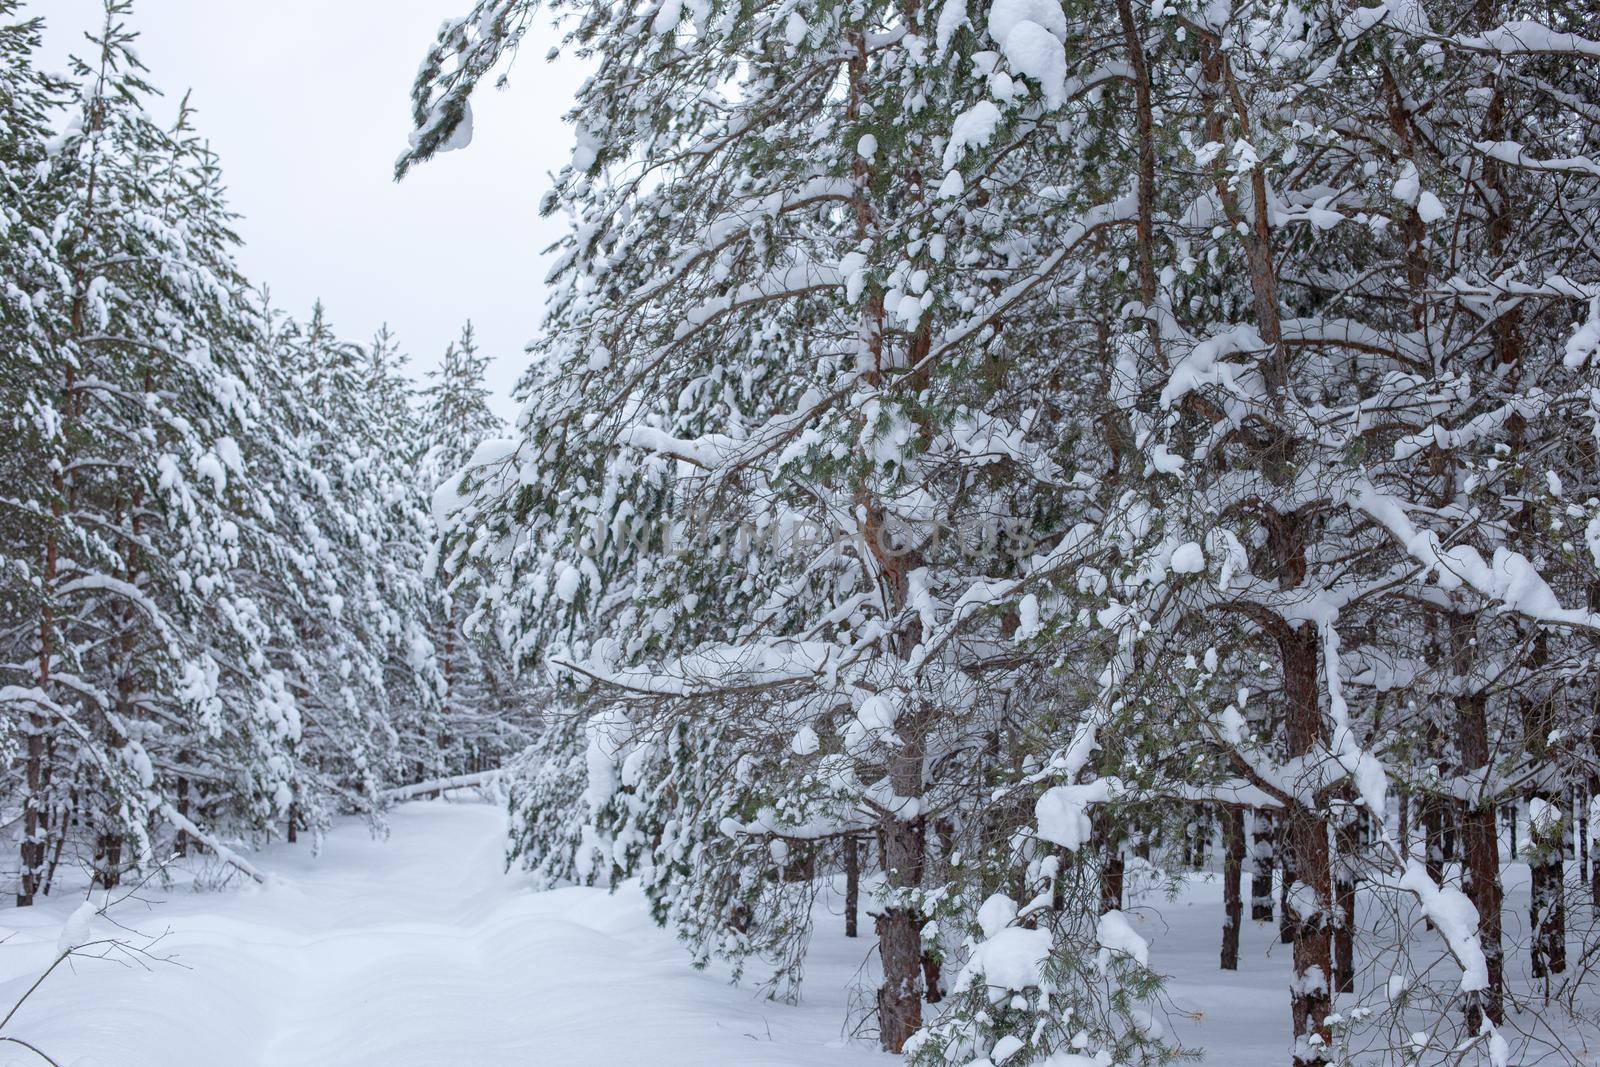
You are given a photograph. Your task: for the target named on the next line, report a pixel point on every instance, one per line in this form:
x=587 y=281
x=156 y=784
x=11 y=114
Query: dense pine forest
x=989 y=476
x=218 y=616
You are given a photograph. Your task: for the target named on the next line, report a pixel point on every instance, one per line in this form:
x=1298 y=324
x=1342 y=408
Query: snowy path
x=416 y=950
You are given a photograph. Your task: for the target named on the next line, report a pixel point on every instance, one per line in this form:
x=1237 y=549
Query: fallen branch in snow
x=223 y=852
x=31 y=1048
x=74 y=940
x=438 y=785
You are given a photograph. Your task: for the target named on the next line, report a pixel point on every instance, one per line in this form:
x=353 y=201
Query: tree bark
x=1263 y=858
x=852 y=883
x=1285 y=883
x=68 y=818
x=108 y=860
x=1547 y=909
x=932 y=986
x=33 y=842
x=1594 y=779
x=1402 y=803
x=899 y=931
x=1433 y=818
x=1113 y=867
x=1310 y=901
x=180 y=843
x=1480 y=839
x=32 y=838
x=1547 y=913
x=1232 y=869
x=1344 y=900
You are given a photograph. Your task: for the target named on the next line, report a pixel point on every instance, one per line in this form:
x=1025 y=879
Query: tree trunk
x=1263 y=858
x=933 y=987
x=1285 y=883
x=1309 y=904
x=1113 y=867
x=1481 y=883
x=900 y=934
x=1402 y=803
x=180 y=843
x=1547 y=913
x=55 y=856
x=33 y=842
x=1433 y=831
x=1344 y=900
x=108 y=860
x=1232 y=869
x=1594 y=779
x=33 y=804
x=1547 y=909
x=899 y=925
x=1480 y=838
x=852 y=883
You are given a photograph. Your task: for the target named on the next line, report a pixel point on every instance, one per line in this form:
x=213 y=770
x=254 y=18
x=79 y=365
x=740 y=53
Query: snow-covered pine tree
x=778 y=427
x=31 y=517
x=359 y=657
x=1296 y=517
x=485 y=713
x=138 y=625
x=1322 y=356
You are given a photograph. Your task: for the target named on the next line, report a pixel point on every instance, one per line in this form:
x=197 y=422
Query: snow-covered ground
x=416 y=950
x=419 y=949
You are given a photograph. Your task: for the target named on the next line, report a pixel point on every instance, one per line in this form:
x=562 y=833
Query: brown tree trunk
x=1232 y=869
x=1144 y=124
x=1547 y=912
x=1113 y=880
x=1310 y=999
x=1547 y=909
x=1480 y=840
x=68 y=818
x=1344 y=899
x=899 y=931
x=852 y=883
x=33 y=842
x=1285 y=883
x=1402 y=802
x=180 y=843
x=932 y=987
x=1433 y=819
x=1481 y=878
x=33 y=845
x=108 y=860
x=1263 y=858
x=1594 y=780
x=898 y=925
x=1113 y=867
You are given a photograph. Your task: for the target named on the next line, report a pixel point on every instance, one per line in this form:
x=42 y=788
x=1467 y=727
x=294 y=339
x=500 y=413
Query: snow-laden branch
x=438 y=785
x=1513 y=153
x=1525 y=37
x=223 y=852
x=1510 y=579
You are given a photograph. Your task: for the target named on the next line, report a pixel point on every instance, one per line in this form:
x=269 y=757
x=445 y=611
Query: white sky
x=307 y=102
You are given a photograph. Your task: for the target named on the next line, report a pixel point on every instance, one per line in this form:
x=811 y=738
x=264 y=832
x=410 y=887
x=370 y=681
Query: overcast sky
x=307 y=102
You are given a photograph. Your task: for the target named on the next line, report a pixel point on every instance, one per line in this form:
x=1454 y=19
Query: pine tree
x=1218 y=311
x=32 y=519
x=486 y=710
x=773 y=416
x=140 y=630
